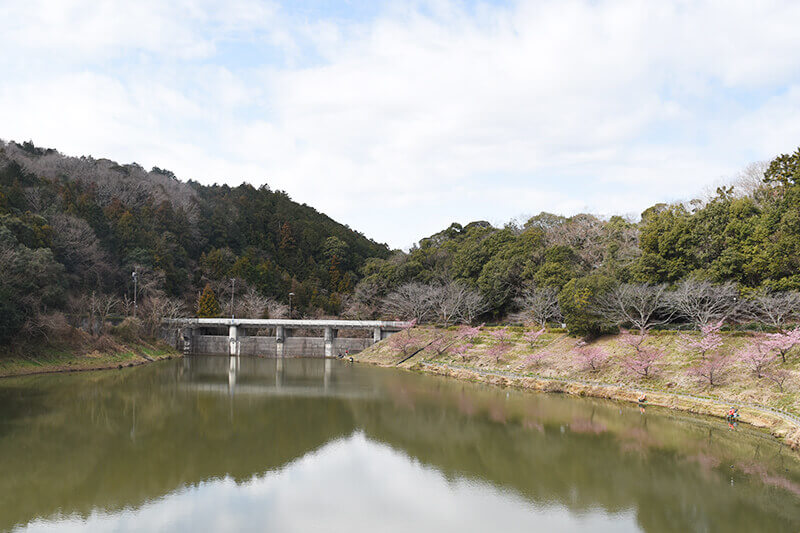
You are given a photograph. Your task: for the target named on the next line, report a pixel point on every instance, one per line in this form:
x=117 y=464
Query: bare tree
x=156 y=309
x=702 y=302
x=640 y=305
x=453 y=302
x=412 y=300
x=251 y=304
x=539 y=304
x=750 y=179
x=584 y=233
x=276 y=309
x=100 y=307
x=773 y=309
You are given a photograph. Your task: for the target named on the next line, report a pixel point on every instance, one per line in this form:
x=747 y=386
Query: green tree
x=207 y=304
x=577 y=300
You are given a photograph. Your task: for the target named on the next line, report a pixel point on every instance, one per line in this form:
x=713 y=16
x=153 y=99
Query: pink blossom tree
x=404 y=340
x=710 y=339
x=755 y=357
x=632 y=340
x=711 y=369
x=783 y=342
x=470 y=333
x=592 y=358
x=498 y=351
x=535 y=359
x=532 y=336
x=779 y=376
x=441 y=344
x=502 y=336
x=462 y=351
x=643 y=363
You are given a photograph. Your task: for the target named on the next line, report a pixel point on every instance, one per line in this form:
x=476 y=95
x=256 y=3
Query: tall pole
x=291 y=309
x=135 y=280
x=233 y=291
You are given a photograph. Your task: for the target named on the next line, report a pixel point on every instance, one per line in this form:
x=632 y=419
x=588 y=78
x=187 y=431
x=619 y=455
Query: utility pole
x=135 y=277
x=233 y=291
x=291 y=309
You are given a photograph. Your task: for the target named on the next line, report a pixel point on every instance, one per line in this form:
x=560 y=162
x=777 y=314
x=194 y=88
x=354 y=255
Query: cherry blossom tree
x=502 y=336
x=592 y=358
x=533 y=336
x=403 y=341
x=470 y=333
x=711 y=369
x=440 y=344
x=498 y=351
x=779 y=376
x=462 y=351
x=756 y=357
x=710 y=339
x=783 y=342
x=535 y=359
x=643 y=361
x=633 y=341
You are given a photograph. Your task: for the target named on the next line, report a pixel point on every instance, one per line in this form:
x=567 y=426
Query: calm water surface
x=212 y=444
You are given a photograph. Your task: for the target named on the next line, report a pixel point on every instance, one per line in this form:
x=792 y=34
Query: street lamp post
x=233 y=291
x=291 y=309
x=135 y=277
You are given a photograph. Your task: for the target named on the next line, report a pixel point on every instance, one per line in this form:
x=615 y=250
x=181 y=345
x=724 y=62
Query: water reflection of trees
x=119 y=439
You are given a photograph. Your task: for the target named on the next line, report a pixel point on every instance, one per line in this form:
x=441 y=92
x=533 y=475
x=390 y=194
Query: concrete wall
x=210 y=344
x=264 y=346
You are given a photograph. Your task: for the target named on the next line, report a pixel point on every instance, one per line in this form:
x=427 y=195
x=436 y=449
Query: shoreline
x=782 y=428
x=68 y=361
x=557 y=363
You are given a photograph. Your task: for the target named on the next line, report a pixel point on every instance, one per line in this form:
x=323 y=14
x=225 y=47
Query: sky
x=398 y=118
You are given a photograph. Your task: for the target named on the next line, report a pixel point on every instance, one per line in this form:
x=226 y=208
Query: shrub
x=129 y=330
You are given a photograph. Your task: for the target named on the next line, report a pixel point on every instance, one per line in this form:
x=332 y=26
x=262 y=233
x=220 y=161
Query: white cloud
x=424 y=114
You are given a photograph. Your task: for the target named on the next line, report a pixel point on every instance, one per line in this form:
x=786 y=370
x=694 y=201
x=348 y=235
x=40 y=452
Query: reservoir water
x=299 y=445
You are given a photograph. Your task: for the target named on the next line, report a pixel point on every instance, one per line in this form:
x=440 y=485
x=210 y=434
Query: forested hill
x=71 y=227
x=744 y=240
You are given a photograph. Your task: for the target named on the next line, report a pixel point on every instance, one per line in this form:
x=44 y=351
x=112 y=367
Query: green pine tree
x=207 y=305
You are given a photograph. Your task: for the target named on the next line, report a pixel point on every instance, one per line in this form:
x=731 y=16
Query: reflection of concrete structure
x=257 y=377
x=273 y=338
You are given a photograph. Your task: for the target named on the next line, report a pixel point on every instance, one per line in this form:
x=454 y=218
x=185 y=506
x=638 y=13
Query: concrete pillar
x=280 y=335
x=188 y=338
x=278 y=372
x=233 y=339
x=377 y=334
x=328 y=337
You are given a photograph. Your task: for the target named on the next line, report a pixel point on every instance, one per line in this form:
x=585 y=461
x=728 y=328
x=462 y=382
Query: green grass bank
x=78 y=351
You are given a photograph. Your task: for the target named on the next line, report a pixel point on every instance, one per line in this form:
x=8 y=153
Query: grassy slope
x=738 y=385
x=80 y=352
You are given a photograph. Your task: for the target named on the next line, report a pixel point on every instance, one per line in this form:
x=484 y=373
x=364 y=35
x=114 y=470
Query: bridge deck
x=388 y=325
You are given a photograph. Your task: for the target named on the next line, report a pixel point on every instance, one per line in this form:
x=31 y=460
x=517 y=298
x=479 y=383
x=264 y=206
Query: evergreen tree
x=207 y=305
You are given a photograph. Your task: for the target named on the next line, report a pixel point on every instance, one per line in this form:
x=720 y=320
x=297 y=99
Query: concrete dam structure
x=276 y=337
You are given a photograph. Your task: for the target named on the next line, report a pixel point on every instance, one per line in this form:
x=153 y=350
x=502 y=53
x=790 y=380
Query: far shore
x=83 y=356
